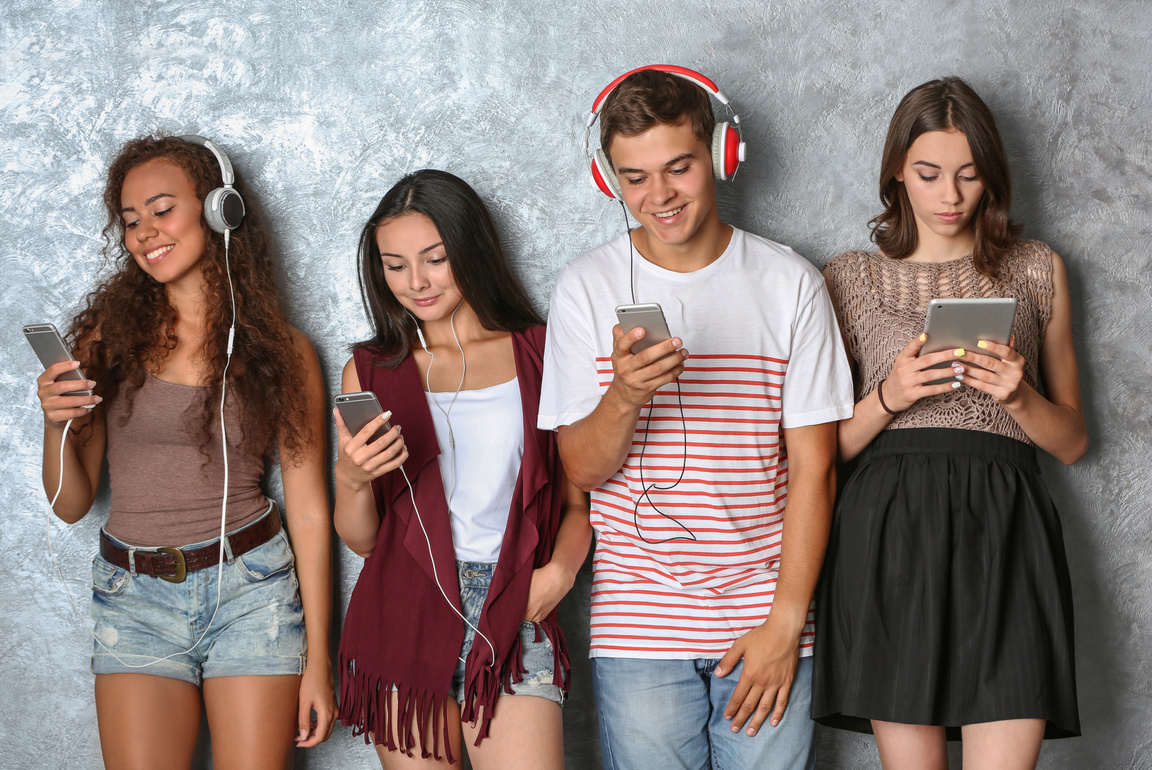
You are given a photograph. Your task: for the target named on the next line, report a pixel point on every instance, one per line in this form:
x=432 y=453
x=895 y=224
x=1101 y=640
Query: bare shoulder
x=302 y=344
x=350 y=379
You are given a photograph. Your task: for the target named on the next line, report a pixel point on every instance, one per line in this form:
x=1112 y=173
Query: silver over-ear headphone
x=223 y=207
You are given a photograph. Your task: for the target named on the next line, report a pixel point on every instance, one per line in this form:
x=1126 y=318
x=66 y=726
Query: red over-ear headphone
x=728 y=150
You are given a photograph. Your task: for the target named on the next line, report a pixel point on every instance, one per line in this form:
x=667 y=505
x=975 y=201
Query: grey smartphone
x=358 y=409
x=51 y=350
x=648 y=316
x=961 y=323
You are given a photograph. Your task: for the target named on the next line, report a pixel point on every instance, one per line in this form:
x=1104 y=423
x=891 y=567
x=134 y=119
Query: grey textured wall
x=324 y=105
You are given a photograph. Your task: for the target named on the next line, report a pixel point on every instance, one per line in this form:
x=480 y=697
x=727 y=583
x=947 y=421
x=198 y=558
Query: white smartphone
x=45 y=339
x=648 y=316
x=962 y=323
x=359 y=409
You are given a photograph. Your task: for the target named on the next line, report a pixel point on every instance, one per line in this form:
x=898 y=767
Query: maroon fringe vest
x=399 y=632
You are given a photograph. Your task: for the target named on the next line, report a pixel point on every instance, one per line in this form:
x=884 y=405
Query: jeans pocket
x=108 y=580
x=264 y=561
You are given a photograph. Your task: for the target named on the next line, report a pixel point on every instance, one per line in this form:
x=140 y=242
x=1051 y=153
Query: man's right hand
x=636 y=378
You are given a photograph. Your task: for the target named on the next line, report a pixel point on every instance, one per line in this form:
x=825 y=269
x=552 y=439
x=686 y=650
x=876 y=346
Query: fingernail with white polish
x=955 y=385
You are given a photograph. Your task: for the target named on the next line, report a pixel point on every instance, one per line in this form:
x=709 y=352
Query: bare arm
x=1055 y=423
x=306 y=510
x=357 y=464
x=83 y=453
x=554 y=580
x=594 y=448
x=771 y=651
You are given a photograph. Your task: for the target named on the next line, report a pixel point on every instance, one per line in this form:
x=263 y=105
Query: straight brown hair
x=943 y=105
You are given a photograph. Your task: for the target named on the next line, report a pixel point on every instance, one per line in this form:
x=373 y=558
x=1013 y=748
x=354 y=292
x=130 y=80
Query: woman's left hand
x=1000 y=378
x=316 y=694
x=549 y=585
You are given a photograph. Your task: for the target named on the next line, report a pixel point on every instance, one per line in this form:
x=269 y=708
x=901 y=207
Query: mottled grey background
x=324 y=105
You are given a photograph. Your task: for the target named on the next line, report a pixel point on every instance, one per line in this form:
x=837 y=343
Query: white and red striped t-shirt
x=683 y=569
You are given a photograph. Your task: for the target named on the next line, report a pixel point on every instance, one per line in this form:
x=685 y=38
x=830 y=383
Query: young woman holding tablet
x=945 y=606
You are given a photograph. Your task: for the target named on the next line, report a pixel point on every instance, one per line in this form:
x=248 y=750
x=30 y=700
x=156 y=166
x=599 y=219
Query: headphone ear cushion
x=726 y=146
x=605 y=177
x=223 y=209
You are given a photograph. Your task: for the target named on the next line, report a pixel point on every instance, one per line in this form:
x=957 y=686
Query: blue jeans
x=669 y=714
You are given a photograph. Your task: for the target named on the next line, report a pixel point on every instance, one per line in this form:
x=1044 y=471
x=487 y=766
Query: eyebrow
x=933 y=165
x=678 y=159
x=148 y=202
x=424 y=250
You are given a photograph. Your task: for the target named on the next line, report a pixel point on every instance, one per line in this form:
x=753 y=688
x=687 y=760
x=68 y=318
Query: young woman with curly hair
x=175 y=628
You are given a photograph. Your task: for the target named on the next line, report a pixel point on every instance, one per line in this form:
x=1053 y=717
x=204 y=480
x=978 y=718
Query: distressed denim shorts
x=148 y=623
x=475 y=579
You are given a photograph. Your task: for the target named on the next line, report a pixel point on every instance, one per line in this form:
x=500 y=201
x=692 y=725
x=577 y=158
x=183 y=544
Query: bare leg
x=527 y=733
x=252 y=720
x=1013 y=744
x=911 y=747
x=146 y=721
x=398 y=760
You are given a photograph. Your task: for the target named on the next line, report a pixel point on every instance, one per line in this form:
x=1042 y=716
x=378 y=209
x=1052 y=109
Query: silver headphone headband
x=225 y=164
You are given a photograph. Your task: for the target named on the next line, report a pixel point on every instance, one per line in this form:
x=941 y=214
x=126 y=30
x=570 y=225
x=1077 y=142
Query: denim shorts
x=475 y=579
x=149 y=623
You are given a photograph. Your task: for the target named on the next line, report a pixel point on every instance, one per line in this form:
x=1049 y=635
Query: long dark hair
x=127 y=326
x=479 y=267
x=942 y=105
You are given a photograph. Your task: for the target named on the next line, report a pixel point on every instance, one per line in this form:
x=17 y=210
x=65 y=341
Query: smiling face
x=163 y=229
x=666 y=177
x=943 y=186
x=416 y=266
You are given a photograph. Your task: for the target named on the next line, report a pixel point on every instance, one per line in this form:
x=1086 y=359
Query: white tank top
x=479 y=462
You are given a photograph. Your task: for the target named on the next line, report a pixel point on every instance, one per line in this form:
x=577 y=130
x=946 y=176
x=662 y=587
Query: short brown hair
x=650 y=97
x=943 y=105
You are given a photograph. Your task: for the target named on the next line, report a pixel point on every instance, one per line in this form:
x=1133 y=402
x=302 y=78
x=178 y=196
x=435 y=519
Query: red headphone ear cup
x=604 y=177
x=733 y=151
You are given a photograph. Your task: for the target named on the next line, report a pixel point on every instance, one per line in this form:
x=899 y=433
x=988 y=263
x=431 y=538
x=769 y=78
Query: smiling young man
x=711 y=473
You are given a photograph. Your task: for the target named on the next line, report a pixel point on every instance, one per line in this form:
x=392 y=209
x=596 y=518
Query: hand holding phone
x=358 y=462
x=634 y=380
x=62 y=388
x=649 y=317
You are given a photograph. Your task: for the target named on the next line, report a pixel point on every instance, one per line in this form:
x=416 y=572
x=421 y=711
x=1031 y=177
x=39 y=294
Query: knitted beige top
x=881 y=304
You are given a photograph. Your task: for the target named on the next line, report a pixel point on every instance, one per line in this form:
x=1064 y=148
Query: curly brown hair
x=127 y=326
x=943 y=105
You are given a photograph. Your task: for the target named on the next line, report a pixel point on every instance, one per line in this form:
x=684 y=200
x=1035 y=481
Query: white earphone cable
x=452 y=463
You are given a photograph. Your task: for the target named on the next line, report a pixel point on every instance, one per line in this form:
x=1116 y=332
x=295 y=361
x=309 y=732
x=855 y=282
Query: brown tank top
x=163 y=493
x=881 y=304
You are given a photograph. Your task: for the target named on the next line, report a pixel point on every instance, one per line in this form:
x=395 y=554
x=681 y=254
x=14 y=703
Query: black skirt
x=945 y=597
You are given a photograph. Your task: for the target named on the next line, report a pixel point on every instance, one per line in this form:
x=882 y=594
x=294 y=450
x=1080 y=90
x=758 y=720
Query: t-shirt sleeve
x=818 y=384
x=570 y=388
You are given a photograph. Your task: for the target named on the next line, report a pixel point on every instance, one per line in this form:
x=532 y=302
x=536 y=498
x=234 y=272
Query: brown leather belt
x=173 y=564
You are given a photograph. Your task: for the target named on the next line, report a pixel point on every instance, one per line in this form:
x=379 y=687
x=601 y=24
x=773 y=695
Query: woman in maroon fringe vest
x=470 y=531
